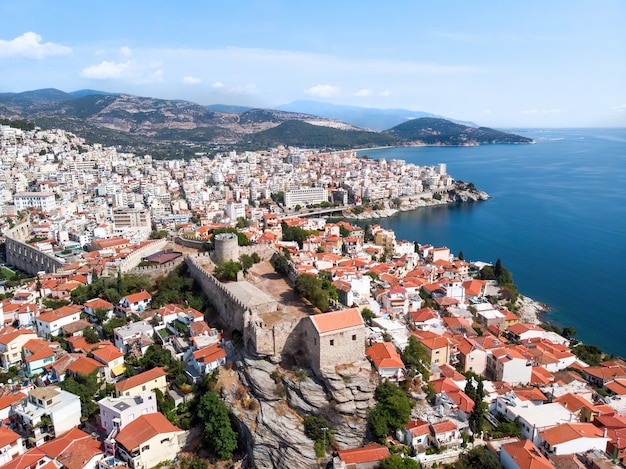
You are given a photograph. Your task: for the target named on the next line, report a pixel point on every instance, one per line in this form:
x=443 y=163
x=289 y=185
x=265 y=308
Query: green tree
x=416 y=356
x=227 y=270
x=91 y=336
x=87 y=388
x=461 y=256
x=398 y=462
x=479 y=457
x=367 y=315
x=320 y=431
x=218 y=433
x=477 y=416
x=246 y=262
x=281 y=265
x=391 y=412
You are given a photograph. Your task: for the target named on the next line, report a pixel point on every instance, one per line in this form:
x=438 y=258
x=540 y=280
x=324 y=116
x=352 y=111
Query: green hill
x=433 y=131
x=301 y=134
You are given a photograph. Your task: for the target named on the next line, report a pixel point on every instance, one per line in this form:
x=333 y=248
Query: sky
x=536 y=63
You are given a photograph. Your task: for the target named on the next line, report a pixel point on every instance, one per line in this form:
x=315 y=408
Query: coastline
x=530 y=310
x=410 y=203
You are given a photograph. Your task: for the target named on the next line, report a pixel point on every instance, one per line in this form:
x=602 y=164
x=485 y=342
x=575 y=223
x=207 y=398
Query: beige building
x=335 y=338
x=11 y=346
x=149 y=440
x=156 y=378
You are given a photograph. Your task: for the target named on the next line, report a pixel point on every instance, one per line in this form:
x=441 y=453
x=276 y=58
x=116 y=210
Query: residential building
x=149 y=440
x=509 y=364
x=49 y=324
x=523 y=454
x=305 y=196
x=44 y=201
x=146 y=381
x=11 y=445
x=11 y=345
x=570 y=438
x=386 y=360
x=74 y=450
x=135 y=336
x=47 y=413
x=366 y=457
x=117 y=412
x=136 y=302
x=207 y=359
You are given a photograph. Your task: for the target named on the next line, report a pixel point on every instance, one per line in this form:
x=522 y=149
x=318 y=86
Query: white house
x=49 y=324
x=509 y=364
x=126 y=336
x=117 y=412
x=523 y=454
x=415 y=433
x=61 y=407
x=11 y=445
x=207 y=359
x=570 y=438
x=136 y=302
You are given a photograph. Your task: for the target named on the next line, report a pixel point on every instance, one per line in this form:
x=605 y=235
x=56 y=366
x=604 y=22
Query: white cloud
x=234 y=89
x=191 y=80
x=323 y=91
x=106 y=70
x=487 y=111
x=217 y=85
x=29 y=45
x=363 y=93
x=385 y=93
x=125 y=51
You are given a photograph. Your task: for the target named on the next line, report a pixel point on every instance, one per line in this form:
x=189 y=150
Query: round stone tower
x=226 y=247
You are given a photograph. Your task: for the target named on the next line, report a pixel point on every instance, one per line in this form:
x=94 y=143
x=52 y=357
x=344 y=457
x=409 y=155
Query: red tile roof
x=337 y=320
x=570 y=432
x=369 y=453
x=73 y=449
x=384 y=355
x=526 y=455
x=144 y=428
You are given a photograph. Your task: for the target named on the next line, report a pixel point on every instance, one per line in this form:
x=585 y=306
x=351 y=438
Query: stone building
x=335 y=338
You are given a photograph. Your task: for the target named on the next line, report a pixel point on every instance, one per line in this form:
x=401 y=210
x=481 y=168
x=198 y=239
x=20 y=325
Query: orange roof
x=539 y=375
x=84 y=365
x=6 y=401
x=140 y=296
x=573 y=402
x=144 y=428
x=8 y=338
x=107 y=354
x=97 y=303
x=526 y=455
x=337 y=320
x=368 y=453
x=7 y=436
x=443 y=427
x=571 y=431
x=60 y=313
x=210 y=354
x=418 y=427
x=73 y=449
x=384 y=355
x=140 y=379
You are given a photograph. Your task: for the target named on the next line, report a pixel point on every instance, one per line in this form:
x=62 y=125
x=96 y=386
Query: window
x=143 y=388
x=332 y=342
x=353 y=336
x=165 y=440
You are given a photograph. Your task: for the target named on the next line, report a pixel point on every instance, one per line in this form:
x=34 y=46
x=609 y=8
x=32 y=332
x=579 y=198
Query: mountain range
x=160 y=126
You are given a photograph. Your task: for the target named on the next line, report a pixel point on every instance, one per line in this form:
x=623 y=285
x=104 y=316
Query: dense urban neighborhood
x=242 y=310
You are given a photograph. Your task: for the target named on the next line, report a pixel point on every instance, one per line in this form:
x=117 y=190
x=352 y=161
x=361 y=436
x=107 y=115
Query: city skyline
x=558 y=64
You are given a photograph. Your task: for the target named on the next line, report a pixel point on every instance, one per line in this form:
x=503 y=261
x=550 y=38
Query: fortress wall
x=132 y=260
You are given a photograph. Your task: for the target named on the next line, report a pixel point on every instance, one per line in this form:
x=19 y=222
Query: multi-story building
x=44 y=201
x=48 y=412
x=49 y=324
x=305 y=196
x=117 y=412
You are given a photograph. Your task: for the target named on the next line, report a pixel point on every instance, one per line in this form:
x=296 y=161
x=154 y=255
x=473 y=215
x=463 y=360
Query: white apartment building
x=306 y=196
x=43 y=201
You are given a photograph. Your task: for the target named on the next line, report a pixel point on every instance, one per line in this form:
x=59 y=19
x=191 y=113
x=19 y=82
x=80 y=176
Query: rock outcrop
x=274 y=432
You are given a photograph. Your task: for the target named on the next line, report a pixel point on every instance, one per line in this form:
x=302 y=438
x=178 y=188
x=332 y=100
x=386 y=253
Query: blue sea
x=556 y=219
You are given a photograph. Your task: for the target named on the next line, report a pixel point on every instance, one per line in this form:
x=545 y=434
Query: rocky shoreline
x=427 y=199
x=530 y=311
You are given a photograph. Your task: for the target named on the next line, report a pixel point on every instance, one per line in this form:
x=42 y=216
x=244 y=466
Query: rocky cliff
x=272 y=428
